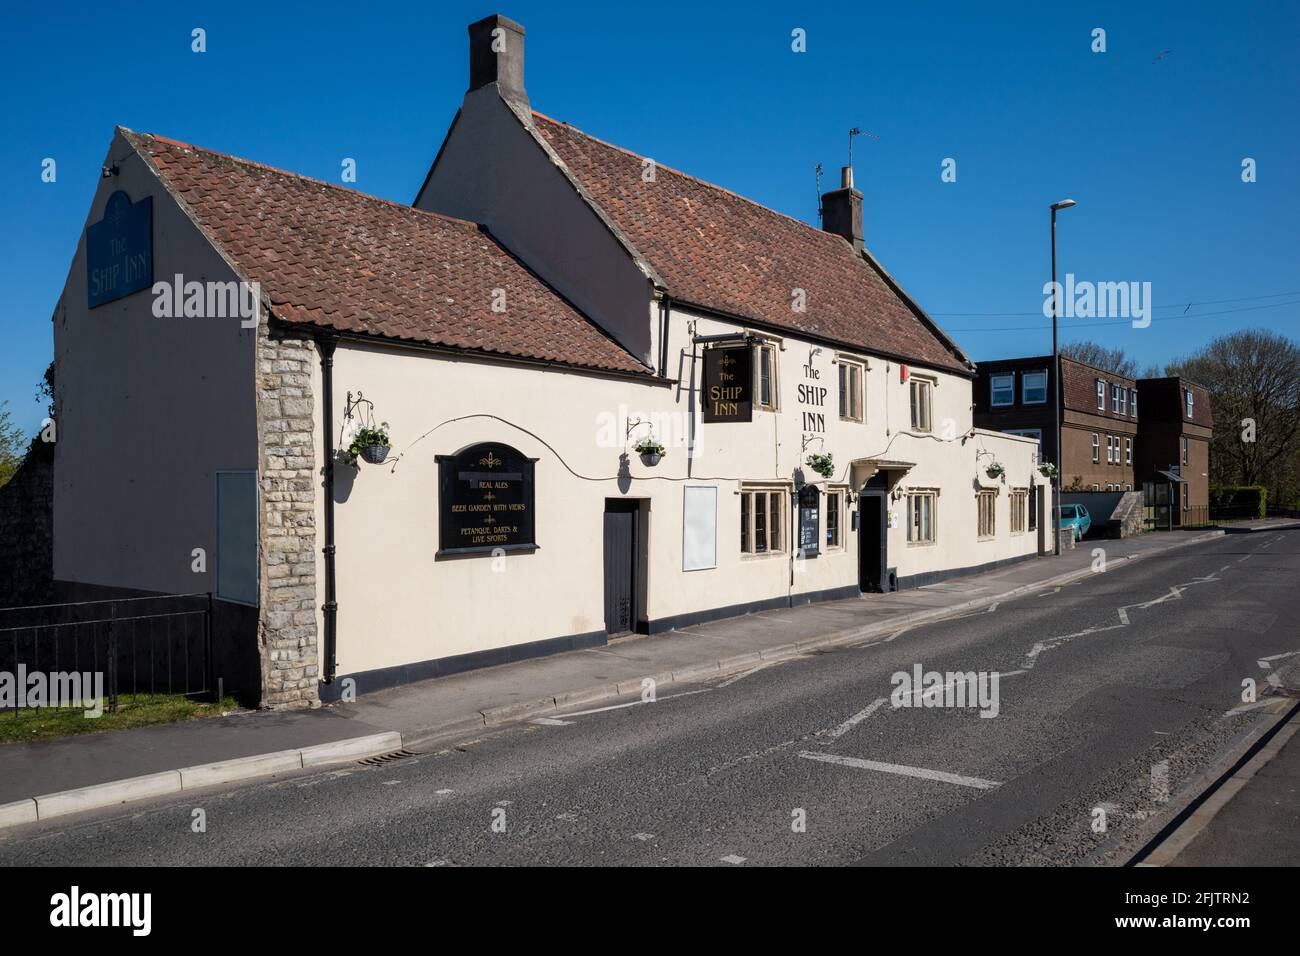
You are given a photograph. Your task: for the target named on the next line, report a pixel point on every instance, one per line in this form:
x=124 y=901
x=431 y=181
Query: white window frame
x=981 y=533
x=764 y=348
x=1114 y=397
x=749 y=543
x=1101 y=394
x=1133 y=402
x=1128 y=451
x=857 y=406
x=1024 y=387
x=837 y=497
x=1019 y=509
x=921 y=385
x=915 y=498
x=1096 y=448
x=1189 y=402
x=1010 y=390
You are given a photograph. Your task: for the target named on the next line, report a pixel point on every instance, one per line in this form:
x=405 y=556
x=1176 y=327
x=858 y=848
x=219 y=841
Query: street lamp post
x=1056 y=379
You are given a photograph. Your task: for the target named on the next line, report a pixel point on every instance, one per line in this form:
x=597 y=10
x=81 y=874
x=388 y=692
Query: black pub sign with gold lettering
x=485 y=500
x=728 y=385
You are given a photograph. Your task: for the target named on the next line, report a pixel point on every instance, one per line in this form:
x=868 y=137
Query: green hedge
x=1239 y=500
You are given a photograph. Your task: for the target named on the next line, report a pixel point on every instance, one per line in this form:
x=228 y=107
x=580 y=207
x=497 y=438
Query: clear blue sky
x=1151 y=150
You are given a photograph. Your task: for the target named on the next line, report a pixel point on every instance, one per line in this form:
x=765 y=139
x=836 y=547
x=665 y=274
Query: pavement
x=419 y=715
x=1258 y=822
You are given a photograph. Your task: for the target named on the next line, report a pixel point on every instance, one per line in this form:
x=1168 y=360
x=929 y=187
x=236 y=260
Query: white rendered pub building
x=548 y=308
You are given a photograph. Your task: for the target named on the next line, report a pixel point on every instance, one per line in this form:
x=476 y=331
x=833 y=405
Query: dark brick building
x=1099 y=417
x=1174 y=436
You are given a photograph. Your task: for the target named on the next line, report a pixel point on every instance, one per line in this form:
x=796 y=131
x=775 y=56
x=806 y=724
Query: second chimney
x=842 y=210
x=496 y=55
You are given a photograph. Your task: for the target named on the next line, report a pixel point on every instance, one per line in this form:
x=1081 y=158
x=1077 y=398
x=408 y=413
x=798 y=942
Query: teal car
x=1076 y=517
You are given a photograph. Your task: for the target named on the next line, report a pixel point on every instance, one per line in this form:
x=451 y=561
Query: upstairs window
x=1033 y=388
x=765 y=357
x=1128 y=451
x=1101 y=394
x=1184 y=442
x=1187 y=399
x=922 y=404
x=1123 y=401
x=1133 y=402
x=1115 y=391
x=850 y=391
x=1002 y=390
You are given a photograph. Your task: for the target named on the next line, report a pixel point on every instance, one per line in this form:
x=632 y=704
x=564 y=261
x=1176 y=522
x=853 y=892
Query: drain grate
x=386 y=758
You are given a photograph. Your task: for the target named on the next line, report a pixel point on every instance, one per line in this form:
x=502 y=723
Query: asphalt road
x=1112 y=693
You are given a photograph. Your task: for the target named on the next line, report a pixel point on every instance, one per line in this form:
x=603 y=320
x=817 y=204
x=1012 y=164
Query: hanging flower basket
x=824 y=465
x=1048 y=470
x=995 y=470
x=371 y=444
x=651 y=451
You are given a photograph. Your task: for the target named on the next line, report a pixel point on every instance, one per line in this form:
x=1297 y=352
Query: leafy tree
x=1098 y=356
x=13 y=445
x=1254 y=381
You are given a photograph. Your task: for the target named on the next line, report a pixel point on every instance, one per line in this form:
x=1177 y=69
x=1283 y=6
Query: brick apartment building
x=1099 y=417
x=1174 y=437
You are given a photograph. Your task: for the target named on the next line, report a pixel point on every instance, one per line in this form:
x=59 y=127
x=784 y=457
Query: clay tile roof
x=329 y=256
x=720 y=251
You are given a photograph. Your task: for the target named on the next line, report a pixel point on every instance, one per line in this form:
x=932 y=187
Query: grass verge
x=133 y=710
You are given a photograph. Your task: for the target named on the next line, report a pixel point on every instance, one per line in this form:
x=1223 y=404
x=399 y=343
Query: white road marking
x=897 y=633
x=634 y=703
x=733 y=859
x=443 y=793
x=743 y=674
x=857 y=718
x=1276 y=657
x=391 y=783
x=550 y=722
x=925 y=774
x=1052 y=643
x=1243 y=708
x=643 y=837
x=1123 y=615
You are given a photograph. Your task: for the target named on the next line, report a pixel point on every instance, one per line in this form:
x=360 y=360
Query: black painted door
x=871 y=542
x=620 y=566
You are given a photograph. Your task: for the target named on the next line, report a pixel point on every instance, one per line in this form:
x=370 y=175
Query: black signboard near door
x=728 y=385
x=809 y=521
x=485 y=500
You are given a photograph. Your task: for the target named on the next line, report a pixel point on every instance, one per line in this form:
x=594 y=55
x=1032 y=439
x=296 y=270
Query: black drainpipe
x=665 y=306
x=325 y=344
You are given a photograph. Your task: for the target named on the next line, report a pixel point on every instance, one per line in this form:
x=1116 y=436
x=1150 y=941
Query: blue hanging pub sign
x=119 y=250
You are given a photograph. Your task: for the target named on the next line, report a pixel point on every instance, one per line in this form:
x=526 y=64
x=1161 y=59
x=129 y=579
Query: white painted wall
x=398 y=604
x=148 y=410
x=492 y=171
